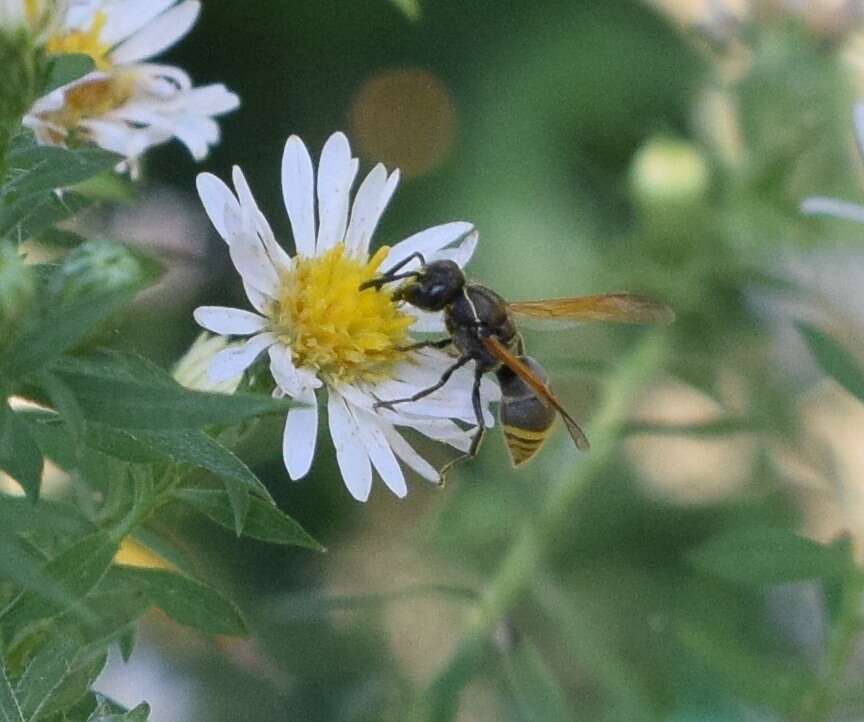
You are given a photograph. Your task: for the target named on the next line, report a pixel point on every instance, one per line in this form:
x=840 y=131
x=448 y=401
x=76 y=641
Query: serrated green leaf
x=75 y=572
x=185 y=600
x=264 y=521
x=538 y=695
x=10 y=709
x=834 y=360
x=109 y=393
x=20 y=456
x=66 y=68
x=758 y=555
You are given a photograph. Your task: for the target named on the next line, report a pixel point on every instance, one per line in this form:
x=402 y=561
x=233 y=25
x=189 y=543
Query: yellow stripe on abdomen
x=523 y=443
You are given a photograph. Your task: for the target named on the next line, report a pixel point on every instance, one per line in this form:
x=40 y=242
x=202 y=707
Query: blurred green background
x=597 y=147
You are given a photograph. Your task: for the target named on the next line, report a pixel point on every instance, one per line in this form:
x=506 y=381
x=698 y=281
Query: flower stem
x=542 y=533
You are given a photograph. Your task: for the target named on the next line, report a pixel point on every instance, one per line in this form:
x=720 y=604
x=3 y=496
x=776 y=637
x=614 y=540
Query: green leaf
x=757 y=555
x=63 y=327
x=75 y=572
x=18 y=515
x=538 y=695
x=43 y=169
x=64 y=403
x=66 y=68
x=119 y=391
x=140 y=714
x=10 y=710
x=20 y=456
x=834 y=360
x=185 y=600
x=265 y=521
x=33 y=216
x=57 y=677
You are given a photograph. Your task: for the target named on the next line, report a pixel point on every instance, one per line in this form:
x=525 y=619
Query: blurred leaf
x=185 y=600
x=20 y=456
x=33 y=217
x=10 y=710
x=60 y=238
x=715 y=427
x=64 y=403
x=57 y=678
x=58 y=517
x=834 y=360
x=765 y=681
x=757 y=555
x=265 y=521
x=112 y=392
x=66 y=68
x=75 y=572
x=538 y=695
x=411 y=8
x=126 y=644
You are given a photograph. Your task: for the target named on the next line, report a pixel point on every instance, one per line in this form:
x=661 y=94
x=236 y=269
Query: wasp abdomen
x=526 y=420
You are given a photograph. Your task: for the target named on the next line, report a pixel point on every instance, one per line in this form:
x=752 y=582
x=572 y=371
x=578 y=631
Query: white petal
x=372 y=198
x=235 y=360
x=159 y=35
x=426 y=321
x=819 y=205
x=218 y=201
x=460 y=254
x=130 y=16
x=382 y=456
x=405 y=452
x=336 y=172
x=229 y=321
x=301 y=434
x=351 y=452
x=294 y=381
x=280 y=259
x=428 y=242
x=249 y=257
x=298 y=192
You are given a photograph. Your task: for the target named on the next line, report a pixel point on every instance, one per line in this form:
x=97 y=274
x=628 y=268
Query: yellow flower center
x=84 y=41
x=345 y=334
x=90 y=99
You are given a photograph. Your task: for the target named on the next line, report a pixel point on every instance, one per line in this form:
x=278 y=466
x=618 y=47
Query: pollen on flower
x=89 y=99
x=345 y=334
x=84 y=41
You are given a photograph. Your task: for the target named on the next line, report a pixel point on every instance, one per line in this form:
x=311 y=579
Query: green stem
x=542 y=533
x=819 y=705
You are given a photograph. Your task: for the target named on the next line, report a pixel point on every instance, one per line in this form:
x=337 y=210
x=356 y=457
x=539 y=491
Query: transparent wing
x=614 y=307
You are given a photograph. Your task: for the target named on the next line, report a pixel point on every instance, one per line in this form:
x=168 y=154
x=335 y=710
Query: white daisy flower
x=823 y=206
x=323 y=334
x=128 y=105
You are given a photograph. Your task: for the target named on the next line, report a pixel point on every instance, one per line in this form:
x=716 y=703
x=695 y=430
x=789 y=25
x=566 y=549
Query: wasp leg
x=478 y=435
x=441 y=343
x=445 y=377
x=390 y=275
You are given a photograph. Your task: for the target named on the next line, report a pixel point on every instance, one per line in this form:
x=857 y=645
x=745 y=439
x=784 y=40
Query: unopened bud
x=95 y=268
x=669 y=173
x=191 y=370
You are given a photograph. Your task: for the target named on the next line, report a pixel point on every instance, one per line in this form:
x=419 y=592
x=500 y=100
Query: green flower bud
x=669 y=173
x=95 y=268
x=17 y=293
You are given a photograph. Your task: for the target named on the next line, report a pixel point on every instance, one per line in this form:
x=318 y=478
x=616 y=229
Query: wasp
x=482 y=328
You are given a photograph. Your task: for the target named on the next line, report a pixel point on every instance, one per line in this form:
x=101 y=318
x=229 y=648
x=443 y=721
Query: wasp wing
x=537 y=385
x=616 y=307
